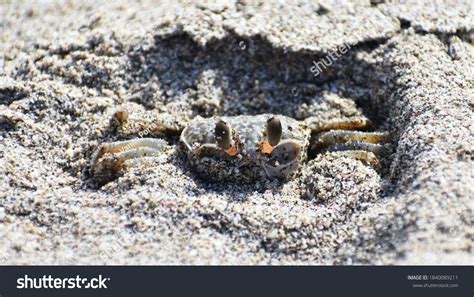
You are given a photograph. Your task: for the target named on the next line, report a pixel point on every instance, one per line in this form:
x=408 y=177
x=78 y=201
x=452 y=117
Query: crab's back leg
x=336 y=136
x=342 y=136
x=127 y=146
x=366 y=157
x=354 y=123
x=342 y=140
x=109 y=158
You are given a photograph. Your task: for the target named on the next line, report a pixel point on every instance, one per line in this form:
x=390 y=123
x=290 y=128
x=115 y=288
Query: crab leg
x=360 y=146
x=163 y=125
x=129 y=149
x=364 y=156
x=341 y=140
x=358 y=123
x=342 y=136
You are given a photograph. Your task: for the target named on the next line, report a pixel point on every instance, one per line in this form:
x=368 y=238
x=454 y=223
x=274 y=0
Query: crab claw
x=284 y=159
x=285 y=152
x=273 y=134
x=223 y=134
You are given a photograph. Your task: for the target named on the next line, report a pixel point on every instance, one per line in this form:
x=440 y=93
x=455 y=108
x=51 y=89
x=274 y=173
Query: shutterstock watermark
x=49 y=282
x=329 y=59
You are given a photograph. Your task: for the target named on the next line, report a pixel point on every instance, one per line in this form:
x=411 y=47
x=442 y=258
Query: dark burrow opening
x=249 y=76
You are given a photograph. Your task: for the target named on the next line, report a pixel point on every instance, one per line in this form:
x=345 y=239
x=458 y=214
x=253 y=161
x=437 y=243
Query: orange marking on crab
x=231 y=151
x=266 y=147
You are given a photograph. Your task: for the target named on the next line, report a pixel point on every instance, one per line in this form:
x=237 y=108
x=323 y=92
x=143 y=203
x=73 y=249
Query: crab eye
x=274 y=131
x=223 y=135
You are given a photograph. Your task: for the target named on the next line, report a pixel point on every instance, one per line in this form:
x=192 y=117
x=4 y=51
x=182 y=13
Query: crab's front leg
x=110 y=159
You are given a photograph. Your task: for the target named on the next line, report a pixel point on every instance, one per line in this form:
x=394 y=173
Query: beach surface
x=67 y=66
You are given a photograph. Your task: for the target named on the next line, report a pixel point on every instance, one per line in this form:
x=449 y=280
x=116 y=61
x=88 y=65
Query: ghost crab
x=244 y=148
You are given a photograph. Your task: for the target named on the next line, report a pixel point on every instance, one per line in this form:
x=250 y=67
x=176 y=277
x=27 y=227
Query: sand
x=67 y=66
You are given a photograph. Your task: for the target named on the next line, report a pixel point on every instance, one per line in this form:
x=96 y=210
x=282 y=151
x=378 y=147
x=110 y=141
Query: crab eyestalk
x=273 y=134
x=223 y=134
